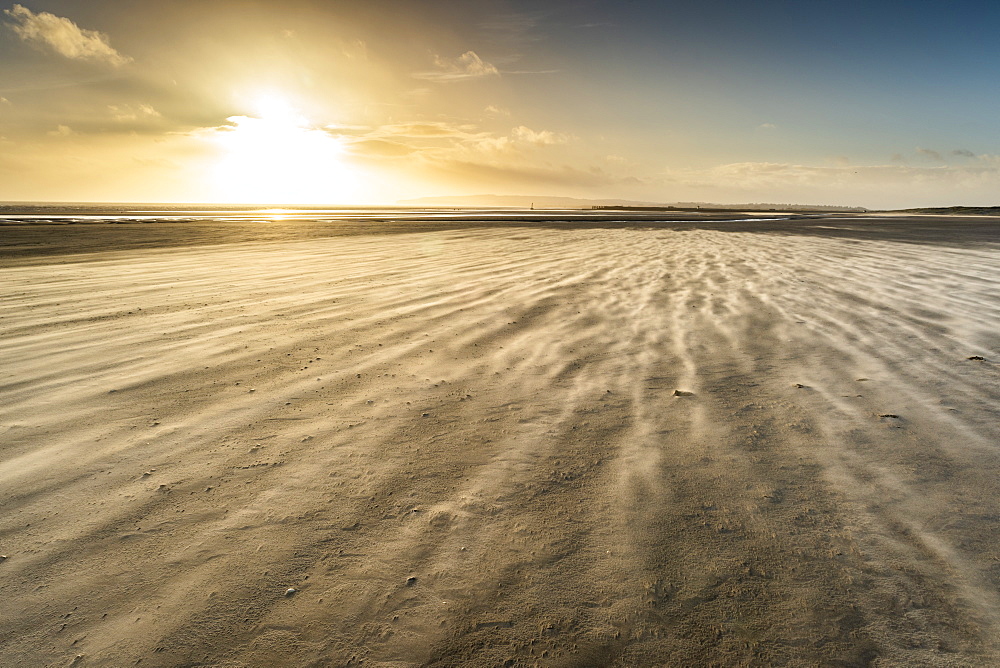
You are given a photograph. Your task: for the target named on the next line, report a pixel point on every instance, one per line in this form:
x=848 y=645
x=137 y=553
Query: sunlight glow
x=273 y=107
x=276 y=156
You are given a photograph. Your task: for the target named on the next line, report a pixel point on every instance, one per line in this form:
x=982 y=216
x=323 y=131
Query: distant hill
x=955 y=210
x=547 y=202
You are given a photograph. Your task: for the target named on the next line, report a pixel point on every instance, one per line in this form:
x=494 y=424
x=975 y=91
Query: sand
x=503 y=445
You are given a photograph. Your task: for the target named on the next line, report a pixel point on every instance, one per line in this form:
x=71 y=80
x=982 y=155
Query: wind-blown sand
x=463 y=447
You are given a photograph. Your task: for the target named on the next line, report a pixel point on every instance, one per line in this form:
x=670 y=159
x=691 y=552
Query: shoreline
x=31 y=243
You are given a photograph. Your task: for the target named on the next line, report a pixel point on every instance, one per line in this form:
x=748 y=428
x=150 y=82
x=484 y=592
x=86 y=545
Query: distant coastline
x=548 y=202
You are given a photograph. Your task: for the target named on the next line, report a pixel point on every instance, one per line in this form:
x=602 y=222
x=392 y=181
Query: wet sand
x=507 y=443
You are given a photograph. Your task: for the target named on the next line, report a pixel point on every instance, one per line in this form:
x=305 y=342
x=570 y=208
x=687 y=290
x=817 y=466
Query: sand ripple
x=466 y=447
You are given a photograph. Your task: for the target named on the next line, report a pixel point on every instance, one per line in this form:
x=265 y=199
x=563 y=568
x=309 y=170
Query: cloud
x=421 y=132
x=381 y=148
x=464 y=68
x=540 y=138
x=4 y=100
x=767 y=126
x=768 y=177
x=61 y=131
x=355 y=49
x=431 y=129
x=63 y=36
x=963 y=153
x=564 y=175
x=928 y=153
x=519 y=138
x=127 y=113
x=514 y=29
x=494 y=111
x=441 y=140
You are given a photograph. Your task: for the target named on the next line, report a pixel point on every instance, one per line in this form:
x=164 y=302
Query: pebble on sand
x=291 y=591
x=683 y=393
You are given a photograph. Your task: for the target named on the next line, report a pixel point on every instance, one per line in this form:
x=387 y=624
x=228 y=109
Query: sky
x=882 y=103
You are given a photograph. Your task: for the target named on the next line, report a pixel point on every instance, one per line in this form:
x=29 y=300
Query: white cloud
x=125 y=113
x=63 y=36
x=767 y=126
x=4 y=100
x=467 y=66
x=520 y=137
x=540 y=138
x=61 y=131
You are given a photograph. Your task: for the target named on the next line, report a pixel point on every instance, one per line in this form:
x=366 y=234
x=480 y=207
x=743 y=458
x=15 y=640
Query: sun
x=274 y=155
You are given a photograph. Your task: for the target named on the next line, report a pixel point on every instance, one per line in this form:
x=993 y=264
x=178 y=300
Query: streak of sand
x=463 y=447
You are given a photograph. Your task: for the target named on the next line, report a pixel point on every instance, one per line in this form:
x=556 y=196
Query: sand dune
x=466 y=447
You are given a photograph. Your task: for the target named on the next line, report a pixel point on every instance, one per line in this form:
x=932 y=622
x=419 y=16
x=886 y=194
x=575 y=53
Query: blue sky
x=879 y=104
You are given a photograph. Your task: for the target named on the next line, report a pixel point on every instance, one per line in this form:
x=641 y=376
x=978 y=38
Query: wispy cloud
x=125 y=113
x=441 y=141
x=464 y=68
x=429 y=129
x=929 y=154
x=964 y=153
x=537 y=137
x=355 y=49
x=513 y=29
x=488 y=173
x=494 y=111
x=519 y=138
x=786 y=177
x=381 y=148
x=63 y=36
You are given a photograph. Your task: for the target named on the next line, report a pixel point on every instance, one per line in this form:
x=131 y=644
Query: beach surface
x=485 y=444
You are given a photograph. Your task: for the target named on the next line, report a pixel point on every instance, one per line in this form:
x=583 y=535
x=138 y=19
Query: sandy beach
x=564 y=444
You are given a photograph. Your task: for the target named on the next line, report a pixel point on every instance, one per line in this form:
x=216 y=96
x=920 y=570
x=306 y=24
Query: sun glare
x=273 y=107
x=275 y=155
